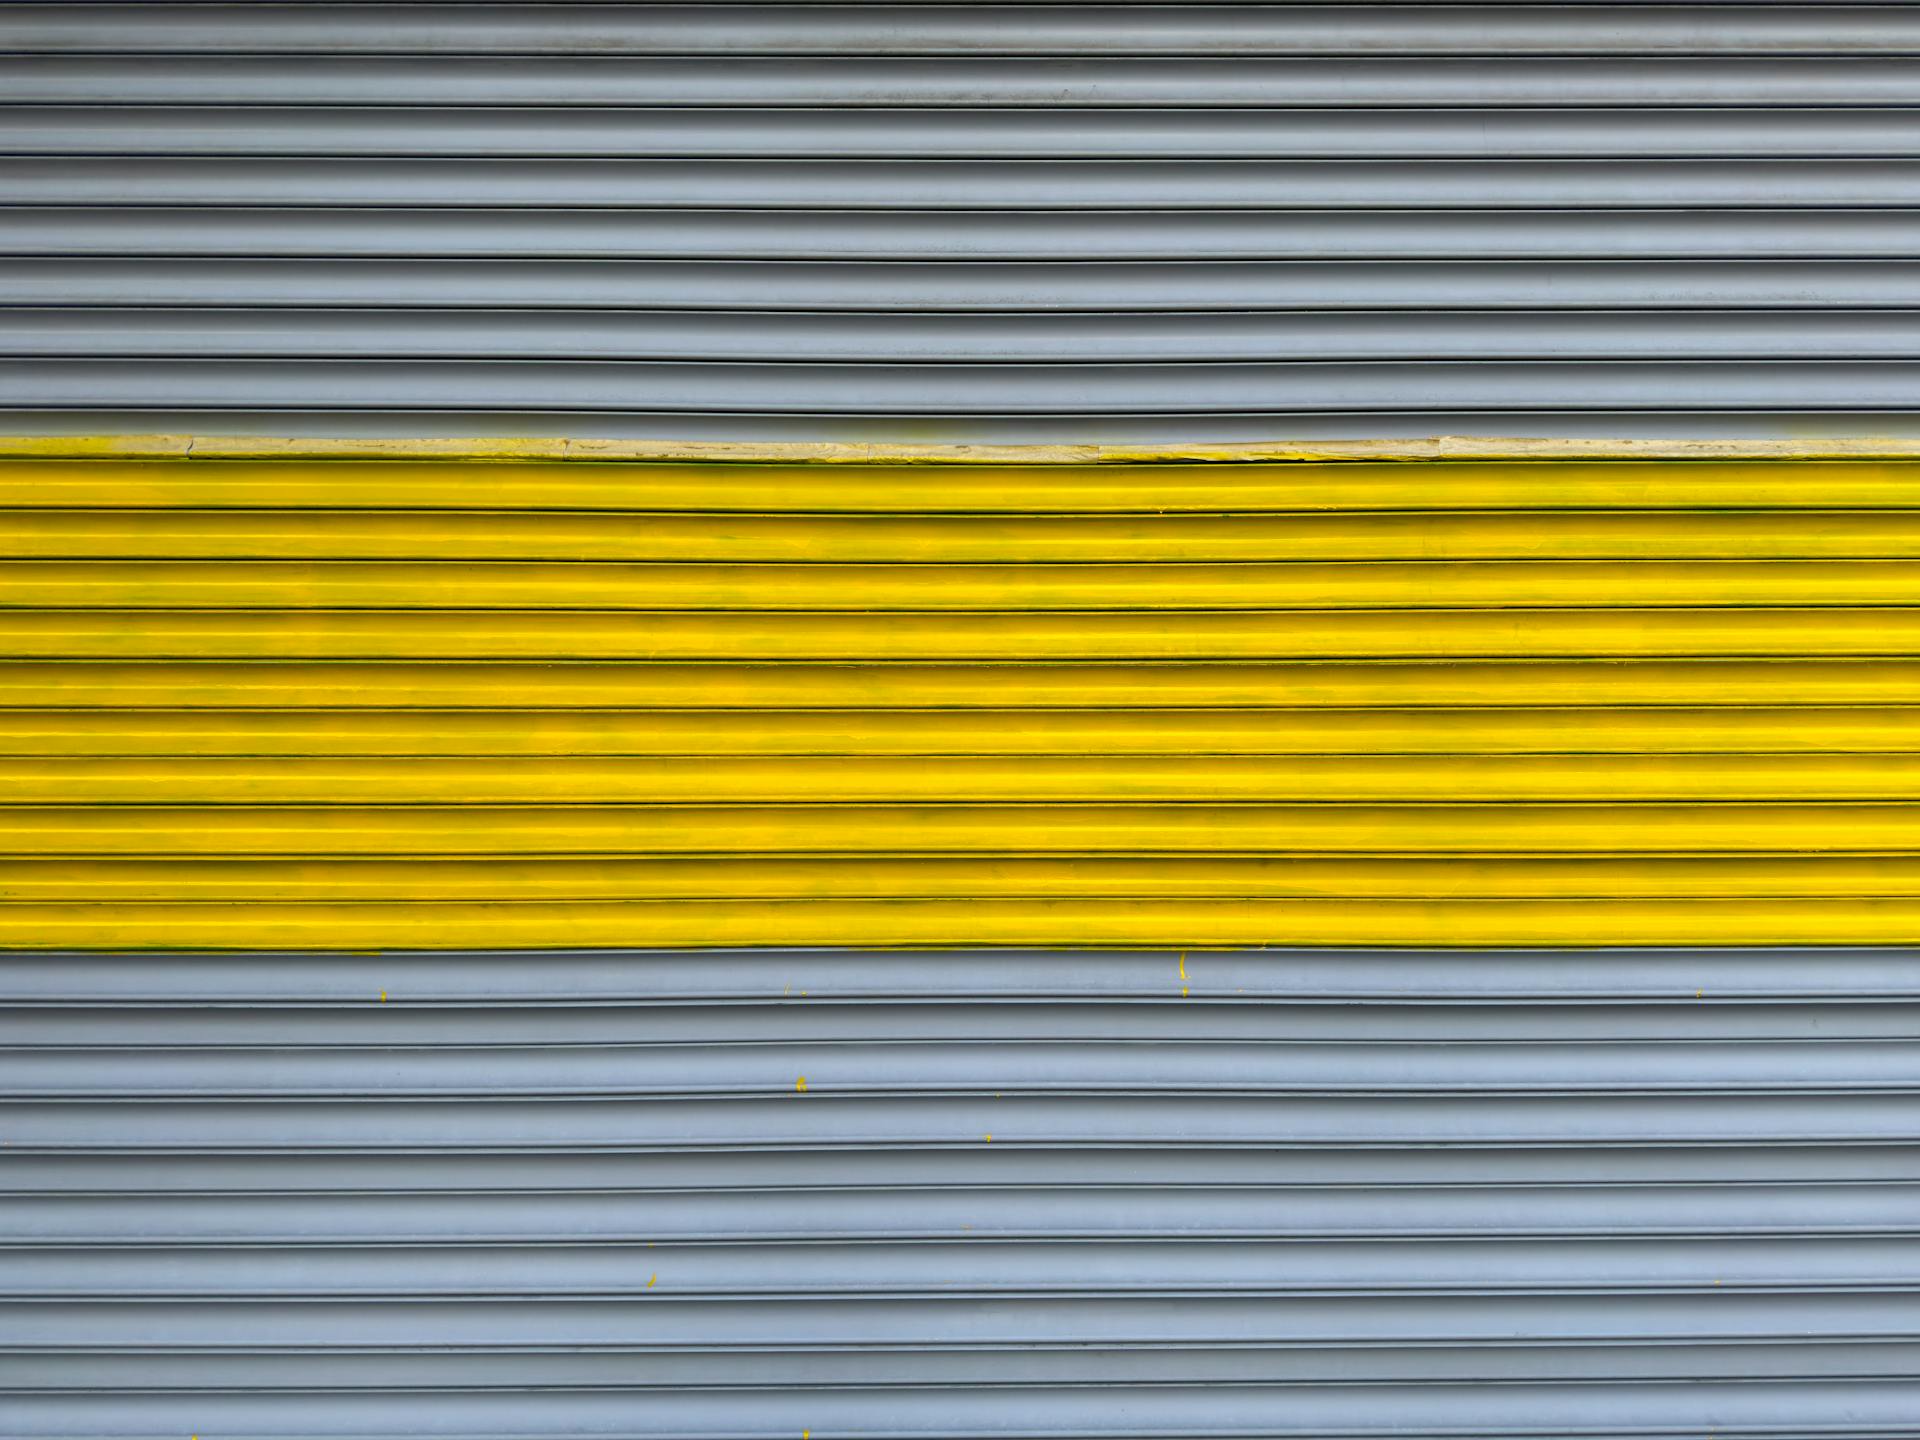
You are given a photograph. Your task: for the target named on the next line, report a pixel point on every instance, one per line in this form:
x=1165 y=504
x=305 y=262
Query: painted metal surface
x=265 y=718
x=946 y=222
x=336 y=703
x=1058 y=1193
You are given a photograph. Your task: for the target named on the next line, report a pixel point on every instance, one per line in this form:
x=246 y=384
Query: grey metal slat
x=1859 y=78
x=130 y=1268
x=570 y=977
x=996 y=29
x=970 y=337
x=318 y=1171
x=659 y=1322
x=64 y=287
x=636 y=1372
x=400 y=233
x=961 y=390
x=1157 y=430
x=1006 y=1065
x=962 y=185
x=1141 y=1210
x=1599 y=1411
x=1091 y=1121
x=916 y=133
x=1173 y=1019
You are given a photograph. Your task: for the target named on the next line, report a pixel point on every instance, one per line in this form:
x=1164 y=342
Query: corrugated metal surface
x=264 y=716
x=1075 y=1194
x=943 y=222
x=348 y=704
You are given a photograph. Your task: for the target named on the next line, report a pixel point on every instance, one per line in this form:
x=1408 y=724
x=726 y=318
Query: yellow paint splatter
x=653 y=1279
x=801 y=1084
x=1184 y=990
x=1698 y=994
x=989 y=1137
x=383 y=997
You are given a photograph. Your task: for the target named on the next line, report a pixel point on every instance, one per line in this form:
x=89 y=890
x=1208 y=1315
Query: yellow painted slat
x=758 y=878
x=961 y=488
x=960 y=829
x=163 y=534
x=1107 y=923
x=750 y=687
x=1008 y=636
x=992 y=731
x=326 y=584
x=857 y=780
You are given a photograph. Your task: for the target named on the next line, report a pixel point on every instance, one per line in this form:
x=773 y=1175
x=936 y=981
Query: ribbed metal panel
x=951 y=222
x=1053 y=1193
x=341 y=704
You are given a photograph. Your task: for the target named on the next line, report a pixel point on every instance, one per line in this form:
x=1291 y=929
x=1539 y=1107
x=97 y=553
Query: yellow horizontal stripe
x=1812 y=730
x=590 y=585
x=757 y=878
x=1386 y=684
x=1009 y=637
x=1155 y=923
x=972 y=829
x=359 y=704
x=961 y=489
x=826 y=780
x=949 y=540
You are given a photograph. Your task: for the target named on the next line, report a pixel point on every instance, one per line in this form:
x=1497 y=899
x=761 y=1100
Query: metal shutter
x=260 y=717
x=1050 y=1194
x=347 y=706
x=944 y=222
